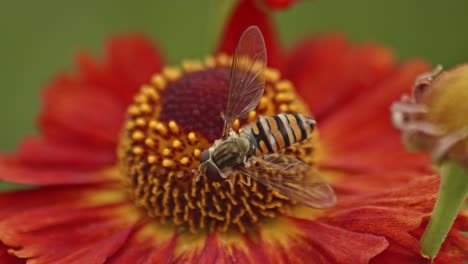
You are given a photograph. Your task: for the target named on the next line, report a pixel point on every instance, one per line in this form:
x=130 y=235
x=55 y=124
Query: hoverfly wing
x=246 y=83
x=292 y=178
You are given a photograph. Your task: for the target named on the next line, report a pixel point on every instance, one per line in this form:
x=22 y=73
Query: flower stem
x=452 y=192
x=220 y=11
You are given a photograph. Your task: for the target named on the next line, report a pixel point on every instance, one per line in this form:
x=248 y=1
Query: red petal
x=65 y=220
x=359 y=134
x=43 y=152
x=130 y=61
x=372 y=182
x=328 y=72
x=6 y=258
x=395 y=214
x=455 y=247
x=47 y=196
x=164 y=253
x=226 y=248
x=213 y=252
x=244 y=15
x=12 y=170
x=88 y=108
x=80 y=115
x=135 y=250
x=328 y=244
x=99 y=251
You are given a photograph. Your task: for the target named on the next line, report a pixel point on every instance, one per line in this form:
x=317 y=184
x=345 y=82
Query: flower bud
x=435 y=117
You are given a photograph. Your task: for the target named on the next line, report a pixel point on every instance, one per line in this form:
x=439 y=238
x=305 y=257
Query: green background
x=39 y=38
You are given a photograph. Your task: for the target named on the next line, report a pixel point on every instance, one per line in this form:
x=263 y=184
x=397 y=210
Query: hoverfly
x=252 y=151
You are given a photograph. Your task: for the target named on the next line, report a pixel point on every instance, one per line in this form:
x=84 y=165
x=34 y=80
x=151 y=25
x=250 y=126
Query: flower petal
x=99 y=251
x=364 y=183
x=129 y=62
x=359 y=135
x=7 y=258
x=82 y=225
x=332 y=244
x=328 y=72
x=245 y=14
x=43 y=152
x=78 y=115
x=88 y=108
x=393 y=213
x=213 y=252
x=13 y=170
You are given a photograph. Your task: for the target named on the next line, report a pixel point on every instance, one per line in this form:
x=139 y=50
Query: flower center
x=175 y=118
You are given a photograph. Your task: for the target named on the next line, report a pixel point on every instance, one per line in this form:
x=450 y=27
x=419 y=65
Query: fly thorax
x=228 y=154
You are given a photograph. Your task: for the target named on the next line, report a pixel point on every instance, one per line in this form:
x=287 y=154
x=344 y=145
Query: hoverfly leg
x=246 y=183
x=232 y=180
x=231 y=183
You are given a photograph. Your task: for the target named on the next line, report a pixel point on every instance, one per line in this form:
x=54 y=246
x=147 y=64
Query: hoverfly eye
x=205 y=155
x=212 y=172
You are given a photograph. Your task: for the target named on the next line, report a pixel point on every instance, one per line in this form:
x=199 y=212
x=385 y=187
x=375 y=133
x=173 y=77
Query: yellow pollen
x=167 y=152
x=236 y=125
x=171 y=73
x=140 y=98
x=210 y=62
x=160 y=158
x=140 y=122
x=137 y=150
x=158 y=81
x=133 y=110
x=196 y=153
x=284 y=86
x=262 y=105
x=168 y=163
x=161 y=128
x=224 y=60
x=176 y=144
x=150 y=142
x=293 y=108
x=152 y=159
x=283 y=108
x=138 y=135
x=184 y=160
x=174 y=127
x=272 y=75
x=252 y=116
x=145 y=108
x=192 y=65
x=284 y=97
x=192 y=138
x=153 y=124
x=129 y=125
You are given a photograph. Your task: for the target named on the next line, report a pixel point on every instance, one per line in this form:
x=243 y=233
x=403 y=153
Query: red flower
x=81 y=212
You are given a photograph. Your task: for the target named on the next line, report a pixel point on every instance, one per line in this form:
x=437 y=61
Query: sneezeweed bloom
x=120 y=137
x=434 y=119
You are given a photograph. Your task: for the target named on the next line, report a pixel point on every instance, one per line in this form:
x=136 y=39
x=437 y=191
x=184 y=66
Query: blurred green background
x=39 y=38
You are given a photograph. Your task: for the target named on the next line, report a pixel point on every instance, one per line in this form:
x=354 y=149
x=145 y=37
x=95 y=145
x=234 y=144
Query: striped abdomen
x=272 y=133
